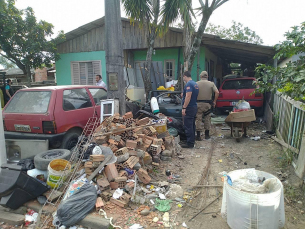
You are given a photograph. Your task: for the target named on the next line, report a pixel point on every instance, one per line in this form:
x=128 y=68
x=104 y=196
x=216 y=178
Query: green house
x=83 y=56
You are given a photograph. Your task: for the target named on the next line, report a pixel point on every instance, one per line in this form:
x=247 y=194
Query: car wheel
x=42 y=160
x=70 y=139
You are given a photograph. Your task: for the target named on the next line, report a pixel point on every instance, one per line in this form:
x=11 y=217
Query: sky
x=270 y=19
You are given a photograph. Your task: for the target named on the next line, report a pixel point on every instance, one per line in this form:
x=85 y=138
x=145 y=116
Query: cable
x=110 y=219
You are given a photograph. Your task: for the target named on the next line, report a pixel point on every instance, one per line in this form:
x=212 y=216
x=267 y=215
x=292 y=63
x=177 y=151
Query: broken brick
x=143 y=176
x=111 y=172
x=131 y=144
x=130 y=163
x=99 y=204
x=128 y=115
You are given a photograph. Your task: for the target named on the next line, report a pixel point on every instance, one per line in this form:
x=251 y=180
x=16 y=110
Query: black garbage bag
x=76 y=207
x=26 y=164
x=89 y=150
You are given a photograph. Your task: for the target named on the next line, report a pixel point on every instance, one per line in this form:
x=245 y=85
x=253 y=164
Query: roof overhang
x=238 y=52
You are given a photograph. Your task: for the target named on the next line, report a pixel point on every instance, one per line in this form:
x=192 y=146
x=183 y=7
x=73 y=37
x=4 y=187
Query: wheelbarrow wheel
x=236 y=134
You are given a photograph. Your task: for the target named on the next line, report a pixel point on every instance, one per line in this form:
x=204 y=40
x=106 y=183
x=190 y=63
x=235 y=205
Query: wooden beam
x=284 y=144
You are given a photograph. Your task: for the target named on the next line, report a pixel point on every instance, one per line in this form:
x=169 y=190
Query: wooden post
x=114 y=53
x=300 y=168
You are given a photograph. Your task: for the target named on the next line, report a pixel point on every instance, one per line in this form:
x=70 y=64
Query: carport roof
x=238 y=52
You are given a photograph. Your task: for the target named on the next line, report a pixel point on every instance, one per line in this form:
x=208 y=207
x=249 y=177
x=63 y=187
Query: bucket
x=161 y=126
x=248 y=210
x=58 y=169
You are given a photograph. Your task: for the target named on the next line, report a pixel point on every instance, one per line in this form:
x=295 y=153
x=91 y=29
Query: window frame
x=71 y=89
x=173 y=77
x=89 y=88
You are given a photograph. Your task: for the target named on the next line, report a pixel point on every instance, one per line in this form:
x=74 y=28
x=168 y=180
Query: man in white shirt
x=99 y=81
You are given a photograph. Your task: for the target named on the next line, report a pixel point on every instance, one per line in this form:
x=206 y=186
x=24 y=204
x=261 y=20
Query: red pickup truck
x=54 y=113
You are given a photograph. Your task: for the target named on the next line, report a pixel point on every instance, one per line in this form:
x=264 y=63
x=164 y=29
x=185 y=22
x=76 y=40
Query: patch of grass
x=286 y=158
x=290 y=192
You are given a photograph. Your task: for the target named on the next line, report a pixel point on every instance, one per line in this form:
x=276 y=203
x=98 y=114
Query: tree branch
x=201 y=3
x=207 y=3
x=224 y=1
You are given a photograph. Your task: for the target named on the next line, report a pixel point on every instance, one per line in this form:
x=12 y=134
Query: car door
x=74 y=108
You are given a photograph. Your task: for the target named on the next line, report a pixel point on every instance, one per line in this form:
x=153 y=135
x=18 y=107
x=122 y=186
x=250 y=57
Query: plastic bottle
x=154 y=105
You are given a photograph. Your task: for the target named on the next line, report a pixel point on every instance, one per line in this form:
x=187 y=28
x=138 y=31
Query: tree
x=290 y=80
x=206 y=11
x=6 y=63
x=24 y=41
x=155 y=19
x=236 y=32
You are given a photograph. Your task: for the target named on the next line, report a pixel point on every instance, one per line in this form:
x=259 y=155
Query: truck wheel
x=70 y=139
x=43 y=159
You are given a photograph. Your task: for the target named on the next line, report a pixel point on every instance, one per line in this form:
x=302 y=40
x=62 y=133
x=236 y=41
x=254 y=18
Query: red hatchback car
x=236 y=88
x=54 y=113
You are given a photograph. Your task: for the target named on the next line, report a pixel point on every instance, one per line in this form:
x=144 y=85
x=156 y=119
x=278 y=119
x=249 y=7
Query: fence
x=289 y=116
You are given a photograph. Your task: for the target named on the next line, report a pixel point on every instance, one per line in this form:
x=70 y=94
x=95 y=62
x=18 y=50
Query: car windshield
x=238 y=84
x=30 y=102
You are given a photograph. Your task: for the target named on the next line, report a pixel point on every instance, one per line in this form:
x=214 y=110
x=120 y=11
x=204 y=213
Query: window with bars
x=83 y=73
x=169 y=69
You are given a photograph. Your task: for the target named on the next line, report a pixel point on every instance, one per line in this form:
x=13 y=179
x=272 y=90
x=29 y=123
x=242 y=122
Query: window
x=98 y=95
x=109 y=107
x=169 y=69
x=238 y=84
x=76 y=99
x=30 y=102
x=83 y=73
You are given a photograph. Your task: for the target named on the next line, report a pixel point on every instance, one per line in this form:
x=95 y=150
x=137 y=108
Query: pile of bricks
x=138 y=148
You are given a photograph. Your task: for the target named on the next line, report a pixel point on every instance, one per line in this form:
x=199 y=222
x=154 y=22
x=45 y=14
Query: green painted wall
x=172 y=54
x=63 y=66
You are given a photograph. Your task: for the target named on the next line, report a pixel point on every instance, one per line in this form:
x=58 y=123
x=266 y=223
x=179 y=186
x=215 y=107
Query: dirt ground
x=228 y=155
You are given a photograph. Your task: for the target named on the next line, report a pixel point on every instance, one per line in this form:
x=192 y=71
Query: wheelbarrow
x=239 y=121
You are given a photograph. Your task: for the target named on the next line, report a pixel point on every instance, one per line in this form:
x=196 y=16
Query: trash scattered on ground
x=255 y=138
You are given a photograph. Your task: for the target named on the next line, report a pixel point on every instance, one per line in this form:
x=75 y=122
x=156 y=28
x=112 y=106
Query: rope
x=103 y=213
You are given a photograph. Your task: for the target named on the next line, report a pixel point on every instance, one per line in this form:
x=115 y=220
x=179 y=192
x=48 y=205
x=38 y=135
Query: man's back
x=206 y=89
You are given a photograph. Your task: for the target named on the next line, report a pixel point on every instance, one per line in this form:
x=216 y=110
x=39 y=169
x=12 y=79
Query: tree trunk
x=28 y=75
x=151 y=44
x=197 y=40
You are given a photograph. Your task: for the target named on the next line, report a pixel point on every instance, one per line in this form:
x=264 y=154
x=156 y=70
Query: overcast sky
x=270 y=19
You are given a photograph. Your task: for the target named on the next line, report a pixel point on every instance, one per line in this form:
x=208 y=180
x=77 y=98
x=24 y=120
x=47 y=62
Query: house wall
x=63 y=66
x=172 y=54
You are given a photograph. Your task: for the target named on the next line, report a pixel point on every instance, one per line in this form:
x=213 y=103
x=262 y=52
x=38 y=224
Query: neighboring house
x=290 y=59
x=82 y=55
x=17 y=75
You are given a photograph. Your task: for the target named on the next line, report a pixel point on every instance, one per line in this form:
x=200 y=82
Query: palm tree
x=155 y=19
x=206 y=11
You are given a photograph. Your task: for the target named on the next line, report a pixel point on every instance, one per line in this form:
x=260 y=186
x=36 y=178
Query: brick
x=157 y=141
x=114 y=185
x=106 y=195
x=143 y=121
x=112 y=141
x=120 y=179
x=152 y=130
x=118 y=202
x=114 y=148
x=149 y=138
x=121 y=151
x=147 y=141
x=117 y=138
x=128 y=115
x=138 y=131
x=125 y=197
x=133 y=153
x=143 y=176
x=155 y=165
x=139 y=141
x=130 y=163
x=131 y=144
x=103 y=182
x=156 y=149
x=142 y=136
x=123 y=173
x=97 y=158
x=167 y=153
x=147 y=158
x=129 y=186
x=88 y=164
x=96 y=164
x=111 y=172
x=100 y=140
x=99 y=204
x=121 y=144
x=156 y=158
x=122 y=158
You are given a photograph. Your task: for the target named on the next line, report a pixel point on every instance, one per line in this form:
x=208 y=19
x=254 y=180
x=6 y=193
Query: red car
x=54 y=113
x=236 y=88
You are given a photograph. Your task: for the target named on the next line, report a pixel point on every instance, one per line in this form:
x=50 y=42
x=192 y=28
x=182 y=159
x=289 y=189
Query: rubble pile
x=139 y=149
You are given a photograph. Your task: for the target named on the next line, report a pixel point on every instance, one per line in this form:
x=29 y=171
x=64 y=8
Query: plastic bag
x=242 y=104
x=77 y=207
x=26 y=164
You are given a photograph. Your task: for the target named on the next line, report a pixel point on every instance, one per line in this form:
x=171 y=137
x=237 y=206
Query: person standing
x=204 y=102
x=100 y=82
x=189 y=109
x=8 y=90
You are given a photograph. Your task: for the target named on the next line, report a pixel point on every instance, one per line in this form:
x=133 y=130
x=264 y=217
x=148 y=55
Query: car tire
x=70 y=139
x=42 y=160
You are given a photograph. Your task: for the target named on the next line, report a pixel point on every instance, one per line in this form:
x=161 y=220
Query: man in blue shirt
x=189 y=109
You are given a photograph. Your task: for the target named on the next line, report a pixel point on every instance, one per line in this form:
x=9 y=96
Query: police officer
x=189 y=109
x=204 y=102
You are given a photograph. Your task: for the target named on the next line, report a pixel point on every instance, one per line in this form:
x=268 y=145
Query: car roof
x=60 y=87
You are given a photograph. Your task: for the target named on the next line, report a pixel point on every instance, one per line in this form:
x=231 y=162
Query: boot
x=198 y=138
x=207 y=134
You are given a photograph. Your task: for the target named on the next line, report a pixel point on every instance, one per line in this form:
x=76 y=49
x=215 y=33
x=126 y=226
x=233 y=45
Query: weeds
x=286 y=158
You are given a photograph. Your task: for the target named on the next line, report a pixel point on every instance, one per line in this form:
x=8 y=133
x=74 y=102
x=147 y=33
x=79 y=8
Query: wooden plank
x=243 y=116
x=300 y=166
x=285 y=145
x=99 y=168
x=52 y=195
